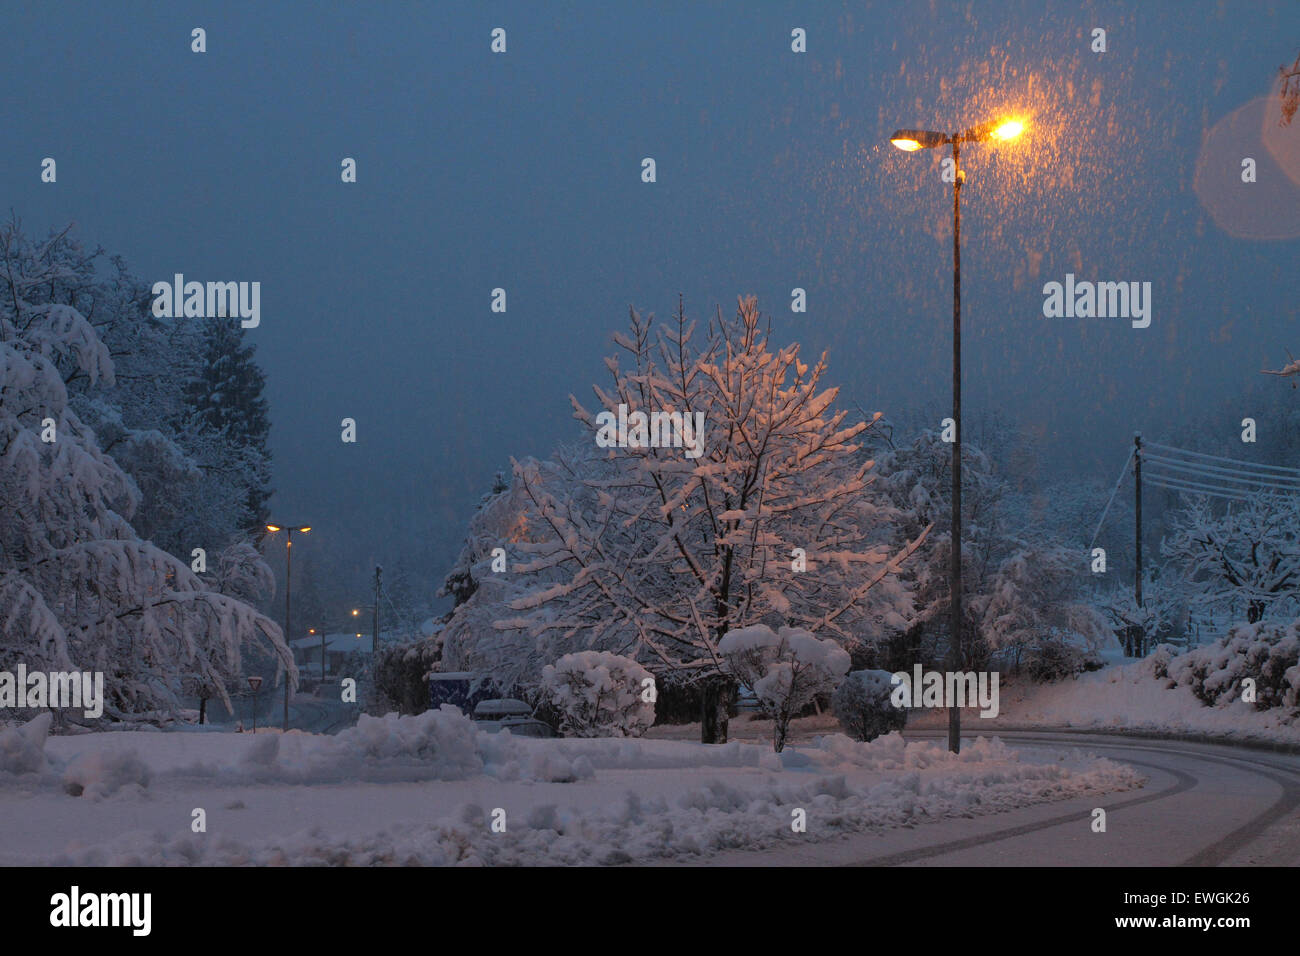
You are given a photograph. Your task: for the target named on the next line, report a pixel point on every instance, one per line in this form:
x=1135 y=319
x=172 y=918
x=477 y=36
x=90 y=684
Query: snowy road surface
x=1205 y=805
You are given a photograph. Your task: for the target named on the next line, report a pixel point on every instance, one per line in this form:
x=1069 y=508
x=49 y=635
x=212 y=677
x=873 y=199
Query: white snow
x=427 y=790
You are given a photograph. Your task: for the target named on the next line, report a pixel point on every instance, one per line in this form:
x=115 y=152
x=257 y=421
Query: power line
x=1221 y=474
x=1231 y=461
x=1192 y=488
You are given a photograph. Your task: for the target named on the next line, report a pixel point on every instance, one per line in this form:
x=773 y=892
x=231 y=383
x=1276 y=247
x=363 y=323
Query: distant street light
x=288 y=572
x=909 y=141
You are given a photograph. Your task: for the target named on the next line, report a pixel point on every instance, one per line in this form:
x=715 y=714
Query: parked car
x=462 y=689
x=505 y=713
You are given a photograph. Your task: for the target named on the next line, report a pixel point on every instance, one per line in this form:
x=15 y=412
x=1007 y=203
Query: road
x=320 y=716
x=1202 y=805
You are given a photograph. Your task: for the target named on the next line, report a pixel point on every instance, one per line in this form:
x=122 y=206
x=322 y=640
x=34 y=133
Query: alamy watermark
x=653 y=430
x=946 y=689
x=1102 y=300
x=75 y=908
x=212 y=300
x=54 y=689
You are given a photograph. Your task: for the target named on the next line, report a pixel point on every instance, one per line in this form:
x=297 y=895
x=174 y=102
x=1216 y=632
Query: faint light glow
x=1009 y=130
x=305 y=530
x=355 y=612
x=273 y=527
x=906 y=145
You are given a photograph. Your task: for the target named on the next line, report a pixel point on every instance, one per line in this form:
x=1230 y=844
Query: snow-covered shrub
x=1267 y=652
x=97 y=774
x=401 y=676
x=599 y=694
x=1056 y=658
x=862 y=706
x=1158 y=662
x=785 y=669
x=22 y=748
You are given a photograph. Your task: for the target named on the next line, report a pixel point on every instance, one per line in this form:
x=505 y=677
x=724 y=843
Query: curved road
x=1202 y=805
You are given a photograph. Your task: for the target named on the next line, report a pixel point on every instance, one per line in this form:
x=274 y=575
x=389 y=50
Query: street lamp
x=909 y=141
x=288 y=571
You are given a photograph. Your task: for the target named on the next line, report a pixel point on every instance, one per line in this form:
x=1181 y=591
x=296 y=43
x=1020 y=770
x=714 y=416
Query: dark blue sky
x=523 y=171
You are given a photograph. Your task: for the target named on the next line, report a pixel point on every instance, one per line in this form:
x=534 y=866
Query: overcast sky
x=522 y=171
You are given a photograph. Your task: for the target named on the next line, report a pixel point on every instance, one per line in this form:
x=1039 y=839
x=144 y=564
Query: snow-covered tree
x=599 y=694
x=1245 y=560
x=1022 y=587
x=1034 y=604
x=786 y=670
x=656 y=552
x=189 y=478
x=1162 y=618
x=79 y=589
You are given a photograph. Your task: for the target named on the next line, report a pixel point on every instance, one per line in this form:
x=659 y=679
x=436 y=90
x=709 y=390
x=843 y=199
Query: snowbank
x=626 y=824
x=1125 y=698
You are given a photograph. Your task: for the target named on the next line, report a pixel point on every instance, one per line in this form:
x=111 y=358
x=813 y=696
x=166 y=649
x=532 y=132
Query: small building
x=307 y=651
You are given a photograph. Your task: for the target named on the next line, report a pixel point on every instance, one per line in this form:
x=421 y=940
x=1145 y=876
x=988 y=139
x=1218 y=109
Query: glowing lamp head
x=273 y=527
x=906 y=145
x=1009 y=130
x=355 y=612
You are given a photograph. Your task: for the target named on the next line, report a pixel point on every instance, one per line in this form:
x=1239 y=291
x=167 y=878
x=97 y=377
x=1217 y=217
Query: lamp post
x=288 y=572
x=910 y=140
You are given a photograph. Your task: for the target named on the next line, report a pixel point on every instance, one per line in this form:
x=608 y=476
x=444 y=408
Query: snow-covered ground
x=427 y=790
x=1124 y=697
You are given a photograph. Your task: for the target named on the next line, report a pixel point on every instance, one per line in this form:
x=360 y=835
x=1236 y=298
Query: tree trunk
x=203 y=710
x=713 y=710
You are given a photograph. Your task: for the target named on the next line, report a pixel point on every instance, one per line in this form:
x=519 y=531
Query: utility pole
x=1140 y=634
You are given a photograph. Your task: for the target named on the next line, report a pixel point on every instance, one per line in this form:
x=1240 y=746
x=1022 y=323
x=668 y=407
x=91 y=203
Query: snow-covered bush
x=98 y=774
x=1267 y=652
x=22 y=747
x=785 y=669
x=401 y=676
x=599 y=694
x=1055 y=658
x=862 y=706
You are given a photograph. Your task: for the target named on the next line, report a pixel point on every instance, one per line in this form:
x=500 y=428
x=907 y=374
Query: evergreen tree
x=226 y=400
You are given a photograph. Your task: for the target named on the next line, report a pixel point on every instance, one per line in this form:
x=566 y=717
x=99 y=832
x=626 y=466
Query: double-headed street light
x=288 y=571
x=910 y=140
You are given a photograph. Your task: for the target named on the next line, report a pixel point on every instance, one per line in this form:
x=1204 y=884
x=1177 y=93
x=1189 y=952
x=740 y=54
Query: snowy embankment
x=1125 y=698
x=427 y=790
